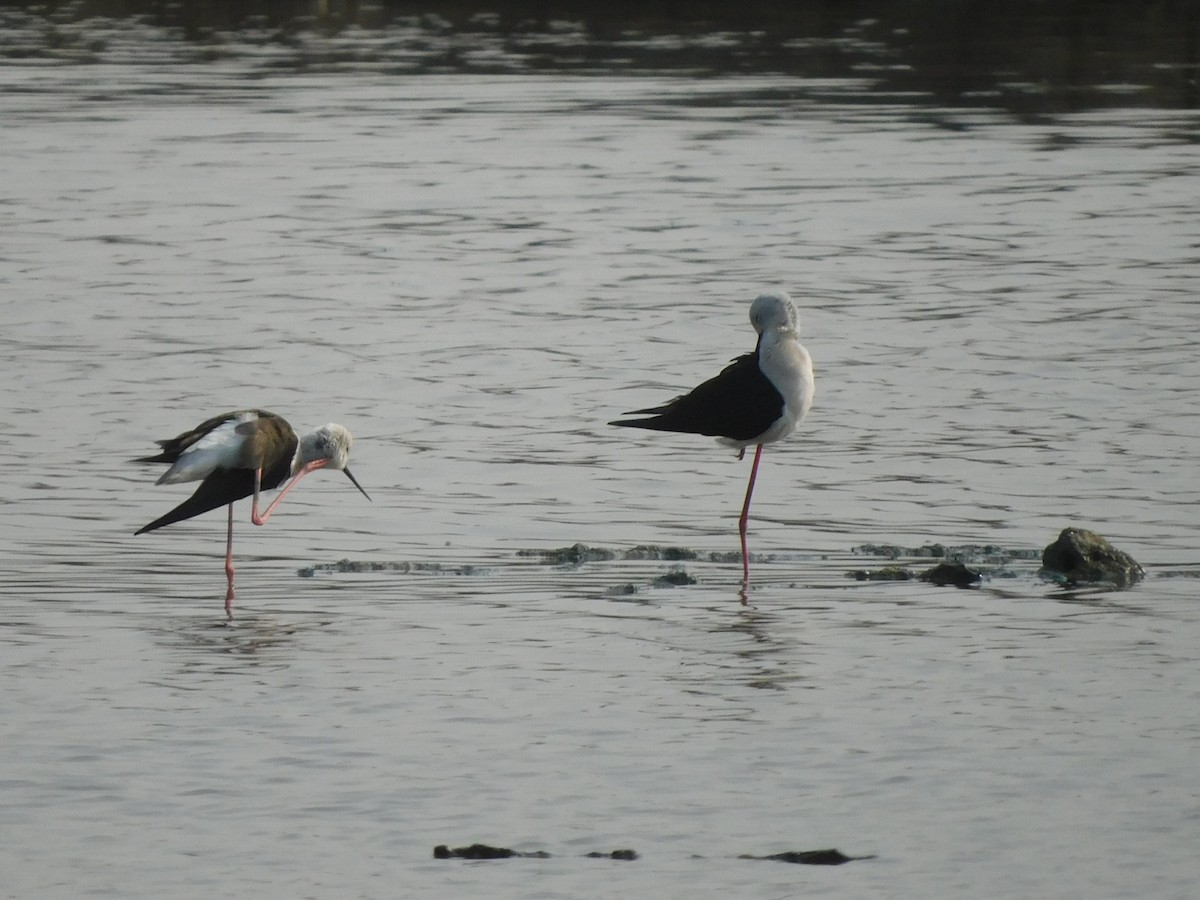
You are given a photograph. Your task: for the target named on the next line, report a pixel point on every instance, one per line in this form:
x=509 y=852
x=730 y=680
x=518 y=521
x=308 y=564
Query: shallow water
x=474 y=274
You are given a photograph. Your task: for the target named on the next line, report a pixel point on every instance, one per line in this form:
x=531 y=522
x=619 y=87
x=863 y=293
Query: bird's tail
x=161 y=458
x=185 y=510
x=654 y=423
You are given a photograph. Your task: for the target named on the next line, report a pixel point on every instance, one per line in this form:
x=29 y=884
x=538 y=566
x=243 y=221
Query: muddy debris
x=992 y=554
x=352 y=566
x=577 y=554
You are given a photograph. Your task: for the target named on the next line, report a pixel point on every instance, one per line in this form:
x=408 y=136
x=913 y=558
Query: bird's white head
x=774 y=310
x=326 y=448
x=330 y=442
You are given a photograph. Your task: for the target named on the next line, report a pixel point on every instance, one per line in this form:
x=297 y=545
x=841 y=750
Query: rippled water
x=474 y=274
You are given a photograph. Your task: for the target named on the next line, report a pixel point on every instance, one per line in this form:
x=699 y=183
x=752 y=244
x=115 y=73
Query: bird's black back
x=740 y=403
x=173 y=448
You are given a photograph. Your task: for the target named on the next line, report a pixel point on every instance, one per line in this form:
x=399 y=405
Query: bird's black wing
x=740 y=403
x=223 y=486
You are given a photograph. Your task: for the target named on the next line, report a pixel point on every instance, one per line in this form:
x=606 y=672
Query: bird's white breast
x=788 y=366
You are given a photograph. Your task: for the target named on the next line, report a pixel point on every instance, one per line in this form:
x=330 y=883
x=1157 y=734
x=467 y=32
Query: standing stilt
x=757 y=399
x=240 y=454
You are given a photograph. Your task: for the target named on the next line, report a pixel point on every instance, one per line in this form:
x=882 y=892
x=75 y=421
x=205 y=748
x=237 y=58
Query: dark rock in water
x=626 y=855
x=829 y=857
x=890 y=551
x=674 y=578
x=484 y=851
x=1080 y=555
x=954 y=573
x=679 y=553
x=628 y=589
x=730 y=556
x=887 y=573
x=475 y=851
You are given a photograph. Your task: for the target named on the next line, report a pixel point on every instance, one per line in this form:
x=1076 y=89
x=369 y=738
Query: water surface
x=474 y=274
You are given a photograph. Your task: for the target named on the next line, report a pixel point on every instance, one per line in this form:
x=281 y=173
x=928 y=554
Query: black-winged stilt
x=239 y=454
x=758 y=399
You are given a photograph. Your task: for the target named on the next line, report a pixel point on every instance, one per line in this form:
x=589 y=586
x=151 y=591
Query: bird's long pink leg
x=229 y=566
x=262 y=519
x=745 y=517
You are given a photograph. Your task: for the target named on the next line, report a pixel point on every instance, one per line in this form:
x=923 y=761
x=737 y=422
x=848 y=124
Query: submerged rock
x=581 y=553
x=954 y=573
x=887 y=573
x=486 y=851
x=674 y=578
x=625 y=855
x=575 y=555
x=732 y=556
x=628 y=589
x=653 y=551
x=831 y=857
x=1080 y=555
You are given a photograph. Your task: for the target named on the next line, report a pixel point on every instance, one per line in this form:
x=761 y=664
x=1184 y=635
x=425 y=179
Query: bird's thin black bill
x=356 y=484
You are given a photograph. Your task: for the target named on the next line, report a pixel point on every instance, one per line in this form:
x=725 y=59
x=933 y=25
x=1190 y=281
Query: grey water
x=474 y=268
